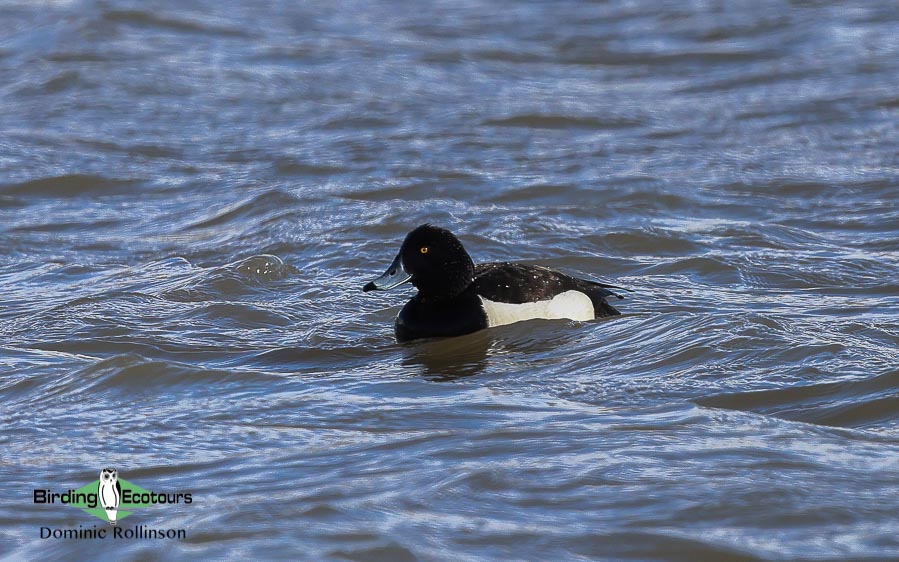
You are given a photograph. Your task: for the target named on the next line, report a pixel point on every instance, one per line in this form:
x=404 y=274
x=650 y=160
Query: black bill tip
x=370 y=286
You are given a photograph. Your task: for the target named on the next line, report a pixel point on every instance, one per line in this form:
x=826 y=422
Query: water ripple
x=193 y=196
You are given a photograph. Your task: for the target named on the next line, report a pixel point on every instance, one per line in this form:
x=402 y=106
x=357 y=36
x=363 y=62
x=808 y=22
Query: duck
x=458 y=297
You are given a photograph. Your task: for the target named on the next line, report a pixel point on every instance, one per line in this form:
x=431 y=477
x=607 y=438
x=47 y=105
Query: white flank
x=573 y=305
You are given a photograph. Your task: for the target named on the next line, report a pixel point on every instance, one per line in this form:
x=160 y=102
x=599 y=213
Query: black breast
x=427 y=318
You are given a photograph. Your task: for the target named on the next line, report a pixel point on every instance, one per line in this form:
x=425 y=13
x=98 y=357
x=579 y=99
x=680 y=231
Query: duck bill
x=395 y=275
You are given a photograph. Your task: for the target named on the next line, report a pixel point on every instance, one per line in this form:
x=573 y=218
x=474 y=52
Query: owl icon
x=110 y=492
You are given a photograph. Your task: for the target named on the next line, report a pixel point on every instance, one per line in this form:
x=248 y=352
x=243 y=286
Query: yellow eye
x=424 y=250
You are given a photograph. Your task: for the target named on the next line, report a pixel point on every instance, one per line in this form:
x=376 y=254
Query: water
x=193 y=195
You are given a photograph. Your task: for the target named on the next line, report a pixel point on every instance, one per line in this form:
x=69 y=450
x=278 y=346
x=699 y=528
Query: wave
x=183 y=22
x=867 y=403
x=260 y=205
x=231 y=280
x=543 y=121
x=71 y=185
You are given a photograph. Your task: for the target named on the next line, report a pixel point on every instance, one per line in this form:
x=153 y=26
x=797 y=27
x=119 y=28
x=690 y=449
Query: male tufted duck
x=457 y=297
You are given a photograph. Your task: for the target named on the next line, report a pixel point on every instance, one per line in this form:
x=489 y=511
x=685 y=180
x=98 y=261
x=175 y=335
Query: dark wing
x=118 y=488
x=519 y=283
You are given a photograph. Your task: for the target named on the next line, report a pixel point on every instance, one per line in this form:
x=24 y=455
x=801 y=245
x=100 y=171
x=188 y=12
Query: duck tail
x=602 y=309
x=605 y=289
x=599 y=293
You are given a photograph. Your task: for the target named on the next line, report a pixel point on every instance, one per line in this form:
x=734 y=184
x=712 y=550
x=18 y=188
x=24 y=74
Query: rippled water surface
x=192 y=195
